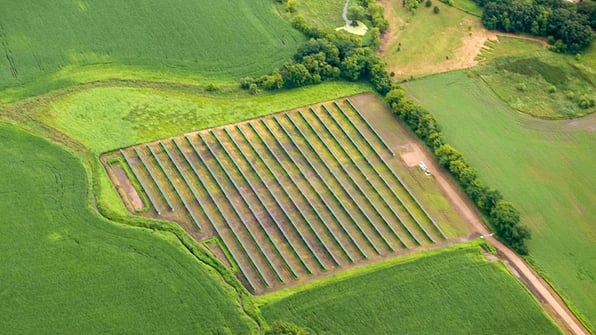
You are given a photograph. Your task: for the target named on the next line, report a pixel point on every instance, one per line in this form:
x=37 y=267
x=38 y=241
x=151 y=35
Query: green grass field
x=100 y=75
x=106 y=118
x=426 y=43
x=544 y=167
x=323 y=14
x=456 y=291
x=65 y=270
x=534 y=80
x=47 y=46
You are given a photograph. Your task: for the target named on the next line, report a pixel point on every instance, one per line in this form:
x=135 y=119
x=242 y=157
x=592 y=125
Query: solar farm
x=283 y=198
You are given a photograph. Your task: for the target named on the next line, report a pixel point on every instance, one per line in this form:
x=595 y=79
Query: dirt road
x=543 y=292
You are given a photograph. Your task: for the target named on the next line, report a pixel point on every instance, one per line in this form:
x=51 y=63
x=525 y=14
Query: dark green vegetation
x=65 y=270
x=420 y=295
x=316 y=191
x=543 y=167
x=536 y=81
x=568 y=27
x=73 y=41
x=330 y=55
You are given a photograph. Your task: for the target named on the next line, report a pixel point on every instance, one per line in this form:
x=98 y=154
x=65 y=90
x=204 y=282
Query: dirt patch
x=587 y=123
x=411 y=155
x=392 y=32
x=491 y=257
x=126 y=186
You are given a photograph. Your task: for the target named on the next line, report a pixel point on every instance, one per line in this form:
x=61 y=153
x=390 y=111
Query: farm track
x=292 y=197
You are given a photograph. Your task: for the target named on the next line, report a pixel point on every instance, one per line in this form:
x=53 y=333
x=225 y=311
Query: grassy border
x=344 y=275
x=135 y=183
x=217 y=241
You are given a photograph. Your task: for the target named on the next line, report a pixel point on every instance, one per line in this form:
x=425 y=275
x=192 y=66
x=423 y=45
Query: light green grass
x=66 y=271
x=218 y=39
x=107 y=118
x=453 y=291
x=467 y=6
x=426 y=43
x=322 y=14
x=544 y=167
x=360 y=29
x=532 y=79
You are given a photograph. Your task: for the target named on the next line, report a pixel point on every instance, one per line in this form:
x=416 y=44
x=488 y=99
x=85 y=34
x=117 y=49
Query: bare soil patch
x=218 y=252
x=127 y=187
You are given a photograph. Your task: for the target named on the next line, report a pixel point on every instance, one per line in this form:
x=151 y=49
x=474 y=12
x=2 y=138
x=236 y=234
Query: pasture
x=454 y=291
x=534 y=80
x=424 y=43
x=543 y=167
x=46 y=47
x=66 y=270
x=291 y=196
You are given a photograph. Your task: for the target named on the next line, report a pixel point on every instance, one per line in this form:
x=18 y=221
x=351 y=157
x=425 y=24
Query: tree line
x=332 y=55
x=502 y=215
x=568 y=26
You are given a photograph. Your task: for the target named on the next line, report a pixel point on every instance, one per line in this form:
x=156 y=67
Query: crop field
x=454 y=291
x=66 y=270
x=543 y=167
x=289 y=196
x=49 y=46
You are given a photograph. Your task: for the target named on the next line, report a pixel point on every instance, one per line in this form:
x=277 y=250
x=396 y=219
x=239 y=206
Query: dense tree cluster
x=504 y=218
x=327 y=55
x=568 y=26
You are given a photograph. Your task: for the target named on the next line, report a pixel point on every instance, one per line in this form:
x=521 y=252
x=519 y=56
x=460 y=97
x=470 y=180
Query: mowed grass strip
x=543 y=167
x=450 y=291
x=65 y=270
